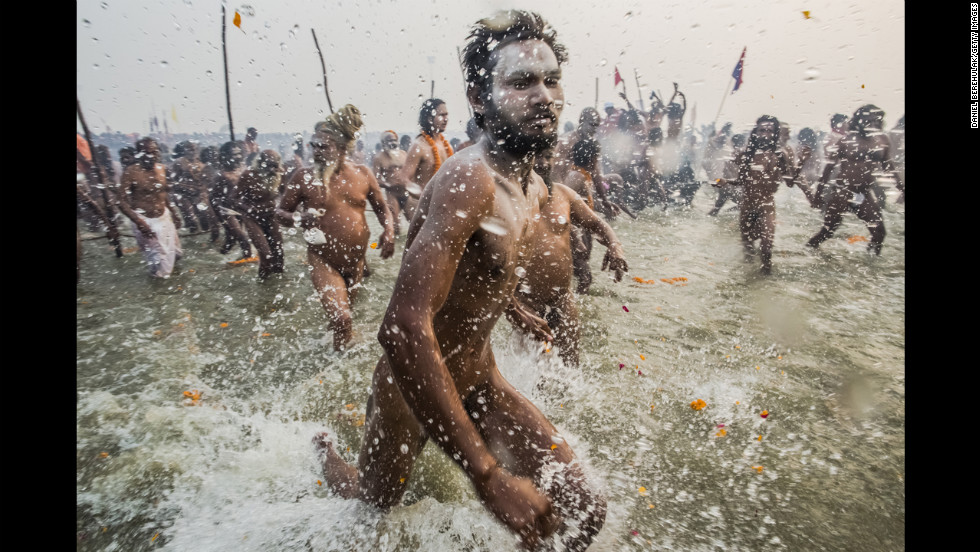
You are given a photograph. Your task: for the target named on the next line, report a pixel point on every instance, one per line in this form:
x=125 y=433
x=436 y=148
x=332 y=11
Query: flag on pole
x=619 y=79
x=737 y=73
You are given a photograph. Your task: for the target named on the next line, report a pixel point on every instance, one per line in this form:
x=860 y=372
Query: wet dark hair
x=251 y=132
x=629 y=119
x=224 y=153
x=209 y=155
x=428 y=113
x=807 y=137
x=865 y=116
x=585 y=153
x=491 y=33
x=738 y=140
x=837 y=119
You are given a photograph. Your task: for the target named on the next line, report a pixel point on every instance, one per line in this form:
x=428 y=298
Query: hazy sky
x=134 y=57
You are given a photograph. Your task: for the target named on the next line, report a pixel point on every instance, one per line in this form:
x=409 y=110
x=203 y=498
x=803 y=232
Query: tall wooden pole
x=224 y=51
x=98 y=174
x=596 y=106
x=638 y=93
x=324 y=66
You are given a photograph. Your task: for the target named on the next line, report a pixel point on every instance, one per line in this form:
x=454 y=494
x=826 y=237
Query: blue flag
x=737 y=73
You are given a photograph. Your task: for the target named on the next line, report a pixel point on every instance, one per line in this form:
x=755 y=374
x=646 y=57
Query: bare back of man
x=438 y=378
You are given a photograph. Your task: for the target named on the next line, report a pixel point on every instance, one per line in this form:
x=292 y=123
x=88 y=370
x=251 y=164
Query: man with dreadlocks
x=546 y=285
x=760 y=168
x=862 y=151
x=334 y=193
x=465 y=250
x=426 y=154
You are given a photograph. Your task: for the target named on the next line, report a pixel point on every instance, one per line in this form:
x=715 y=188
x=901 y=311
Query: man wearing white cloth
x=144 y=198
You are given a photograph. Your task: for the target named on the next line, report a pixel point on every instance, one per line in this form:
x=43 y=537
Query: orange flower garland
x=435 y=150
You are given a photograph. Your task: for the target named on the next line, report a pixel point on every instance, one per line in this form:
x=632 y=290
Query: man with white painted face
x=385 y=164
x=465 y=250
x=334 y=193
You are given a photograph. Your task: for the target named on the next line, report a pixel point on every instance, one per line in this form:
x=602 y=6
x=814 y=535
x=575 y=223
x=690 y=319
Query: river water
x=819 y=346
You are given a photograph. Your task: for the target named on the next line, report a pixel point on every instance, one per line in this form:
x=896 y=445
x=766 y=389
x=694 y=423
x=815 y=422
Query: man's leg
x=836 y=205
x=564 y=323
x=870 y=213
x=767 y=223
x=393 y=439
x=332 y=291
x=262 y=246
x=580 y=264
x=526 y=444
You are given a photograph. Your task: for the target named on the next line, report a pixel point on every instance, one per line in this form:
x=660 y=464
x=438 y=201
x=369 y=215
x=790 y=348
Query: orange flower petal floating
x=252 y=259
x=757 y=468
x=318 y=482
x=238 y=20
x=721 y=433
x=224 y=324
x=698 y=404
x=806 y=14
x=374 y=245
x=765 y=414
x=104 y=454
x=760 y=438
x=642 y=357
x=643 y=490
x=266 y=334
x=855 y=239
x=553 y=447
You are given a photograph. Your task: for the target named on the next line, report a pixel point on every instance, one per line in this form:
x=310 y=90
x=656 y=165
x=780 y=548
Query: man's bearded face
x=526 y=98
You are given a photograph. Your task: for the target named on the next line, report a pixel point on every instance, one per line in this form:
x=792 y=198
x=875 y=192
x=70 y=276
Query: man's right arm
x=286 y=211
x=408 y=337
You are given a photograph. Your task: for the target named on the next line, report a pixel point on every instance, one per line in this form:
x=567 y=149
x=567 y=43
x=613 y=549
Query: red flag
x=619 y=79
x=737 y=73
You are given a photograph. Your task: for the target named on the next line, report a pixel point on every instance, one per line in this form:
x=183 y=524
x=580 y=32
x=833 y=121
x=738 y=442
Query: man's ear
x=474 y=97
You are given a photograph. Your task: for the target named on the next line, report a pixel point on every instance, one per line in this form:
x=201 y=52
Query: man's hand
x=112 y=233
x=523 y=319
x=176 y=218
x=518 y=504
x=578 y=246
x=387 y=243
x=615 y=261
x=609 y=209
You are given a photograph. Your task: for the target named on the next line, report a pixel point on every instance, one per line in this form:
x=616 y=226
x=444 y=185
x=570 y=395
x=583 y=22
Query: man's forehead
x=525 y=56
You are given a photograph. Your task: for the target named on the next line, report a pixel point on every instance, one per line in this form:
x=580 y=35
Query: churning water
x=818 y=346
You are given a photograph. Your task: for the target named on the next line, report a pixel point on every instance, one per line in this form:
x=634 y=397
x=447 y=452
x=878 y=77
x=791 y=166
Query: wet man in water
x=230 y=157
x=255 y=197
x=334 y=193
x=761 y=168
x=144 y=197
x=428 y=152
x=385 y=164
x=864 y=150
x=464 y=252
x=546 y=286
